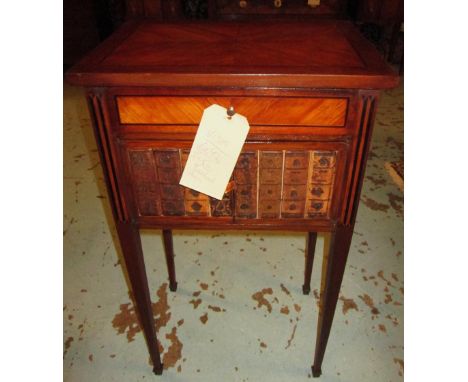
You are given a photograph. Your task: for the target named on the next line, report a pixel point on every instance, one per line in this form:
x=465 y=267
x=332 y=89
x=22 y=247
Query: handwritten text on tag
x=215 y=151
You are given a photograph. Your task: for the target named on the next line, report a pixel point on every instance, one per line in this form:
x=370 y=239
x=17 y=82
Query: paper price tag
x=215 y=151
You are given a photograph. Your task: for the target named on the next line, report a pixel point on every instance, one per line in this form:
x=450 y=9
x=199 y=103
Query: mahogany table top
x=313 y=54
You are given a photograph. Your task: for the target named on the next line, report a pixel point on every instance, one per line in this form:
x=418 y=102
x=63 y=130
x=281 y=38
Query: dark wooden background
x=88 y=22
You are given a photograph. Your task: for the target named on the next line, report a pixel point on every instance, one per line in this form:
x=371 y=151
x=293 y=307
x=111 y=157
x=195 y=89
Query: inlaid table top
x=325 y=53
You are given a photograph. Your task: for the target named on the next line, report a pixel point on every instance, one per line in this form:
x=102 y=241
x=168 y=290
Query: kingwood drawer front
x=265 y=111
x=302 y=182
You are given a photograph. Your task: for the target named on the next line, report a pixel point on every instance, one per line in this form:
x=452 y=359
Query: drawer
x=296 y=159
x=167 y=158
x=294 y=192
x=171 y=191
x=295 y=176
x=245 y=175
x=247 y=160
x=324 y=159
x=302 y=181
x=271 y=159
x=317 y=208
x=173 y=207
x=246 y=207
x=292 y=208
x=320 y=191
x=274 y=111
x=324 y=176
x=268 y=208
x=268 y=191
x=197 y=207
x=168 y=175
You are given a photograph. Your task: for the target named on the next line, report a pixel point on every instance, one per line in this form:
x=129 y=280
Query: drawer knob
x=230 y=112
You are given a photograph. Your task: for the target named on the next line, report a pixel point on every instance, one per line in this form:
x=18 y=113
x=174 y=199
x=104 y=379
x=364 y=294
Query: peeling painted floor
x=239 y=313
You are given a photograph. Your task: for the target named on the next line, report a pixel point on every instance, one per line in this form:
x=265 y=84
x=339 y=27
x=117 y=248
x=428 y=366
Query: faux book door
x=285 y=180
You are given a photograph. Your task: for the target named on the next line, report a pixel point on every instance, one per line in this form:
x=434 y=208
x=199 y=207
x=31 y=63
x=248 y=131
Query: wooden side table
x=309 y=91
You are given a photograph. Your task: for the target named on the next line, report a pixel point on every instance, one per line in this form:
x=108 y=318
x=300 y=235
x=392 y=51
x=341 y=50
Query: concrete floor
x=213 y=328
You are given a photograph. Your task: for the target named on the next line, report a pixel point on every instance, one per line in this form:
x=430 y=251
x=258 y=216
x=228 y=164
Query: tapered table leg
x=129 y=237
x=309 y=261
x=169 y=252
x=339 y=248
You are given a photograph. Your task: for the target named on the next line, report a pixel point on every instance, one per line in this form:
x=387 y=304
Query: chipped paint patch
x=396 y=202
x=174 y=352
x=161 y=307
x=348 y=303
x=261 y=300
x=374 y=205
x=216 y=308
x=375 y=181
x=381 y=275
x=195 y=302
x=382 y=328
x=204 y=318
x=370 y=303
x=126 y=320
x=400 y=363
x=285 y=290
x=292 y=336
x=67 y=345
x=394 y=320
